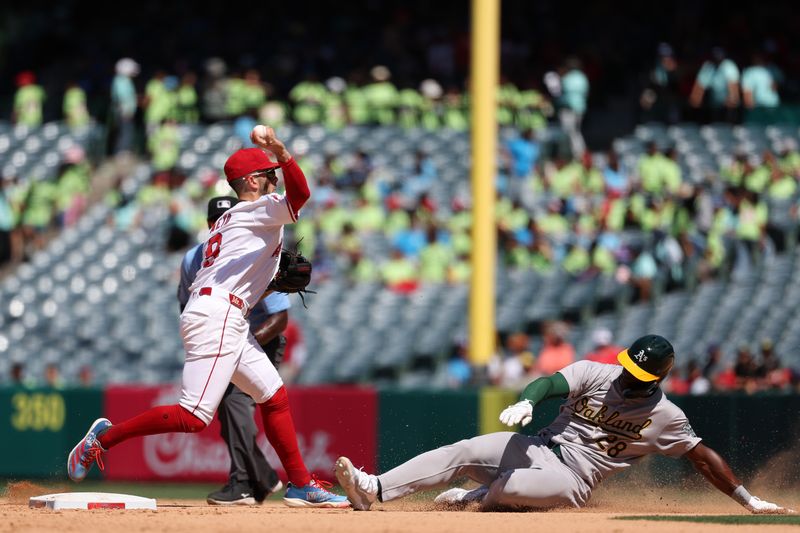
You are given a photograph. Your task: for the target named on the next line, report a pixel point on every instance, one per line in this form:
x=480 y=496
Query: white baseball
x=260 y=133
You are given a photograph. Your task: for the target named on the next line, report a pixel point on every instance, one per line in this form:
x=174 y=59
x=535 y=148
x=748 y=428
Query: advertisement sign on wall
x=330 y=421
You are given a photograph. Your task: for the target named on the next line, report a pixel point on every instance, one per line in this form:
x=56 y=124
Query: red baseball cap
x=246 y=161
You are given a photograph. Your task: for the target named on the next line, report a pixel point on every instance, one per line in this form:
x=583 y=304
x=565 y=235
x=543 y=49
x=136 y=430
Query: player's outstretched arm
x=297 y=192
x=718 y=473
x=536 y=391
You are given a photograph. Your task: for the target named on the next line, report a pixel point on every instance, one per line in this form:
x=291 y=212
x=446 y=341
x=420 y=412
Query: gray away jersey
x=601 y=432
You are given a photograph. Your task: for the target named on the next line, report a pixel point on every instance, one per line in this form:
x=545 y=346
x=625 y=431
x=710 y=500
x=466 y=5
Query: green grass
x=721 y=519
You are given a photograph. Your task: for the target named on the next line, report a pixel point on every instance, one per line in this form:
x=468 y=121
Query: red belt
x=235 y=300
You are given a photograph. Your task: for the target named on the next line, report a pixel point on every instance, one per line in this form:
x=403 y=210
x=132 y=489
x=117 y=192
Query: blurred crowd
x=517 y=363
x=30 y=209
x=722 y=90
x=646 y=226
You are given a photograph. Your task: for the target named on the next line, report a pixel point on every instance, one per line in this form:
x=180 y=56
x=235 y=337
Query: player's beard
x=633 y=388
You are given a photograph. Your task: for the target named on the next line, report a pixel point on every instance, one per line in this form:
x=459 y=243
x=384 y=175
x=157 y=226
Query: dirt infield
x=410 y=516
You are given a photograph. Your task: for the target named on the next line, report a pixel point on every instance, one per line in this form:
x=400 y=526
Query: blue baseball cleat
x=314 y=495
x=87 y=452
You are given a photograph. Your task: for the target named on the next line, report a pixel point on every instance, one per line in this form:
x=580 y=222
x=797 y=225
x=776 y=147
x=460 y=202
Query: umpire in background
x=252 y=479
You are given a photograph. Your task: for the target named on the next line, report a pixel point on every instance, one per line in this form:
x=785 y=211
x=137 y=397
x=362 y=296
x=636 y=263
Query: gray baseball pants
x=239 y=431
x=520 y=471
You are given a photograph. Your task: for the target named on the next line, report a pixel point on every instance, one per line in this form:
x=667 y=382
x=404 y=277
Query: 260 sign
x=37 y=411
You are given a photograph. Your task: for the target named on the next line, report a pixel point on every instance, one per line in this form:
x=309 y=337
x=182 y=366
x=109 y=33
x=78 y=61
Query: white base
x=91 y=500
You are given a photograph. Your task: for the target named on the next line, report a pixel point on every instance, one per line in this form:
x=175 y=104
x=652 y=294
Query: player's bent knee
x=277 y=402
x=517 y=492
x=190 y=423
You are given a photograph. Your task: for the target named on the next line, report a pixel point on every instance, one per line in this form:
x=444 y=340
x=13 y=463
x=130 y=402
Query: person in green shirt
x=671 y=173
x=553 y=224
x=334 y=111
x=782 y=186
x=507 y=98
x=542 y=257
x=72 y=186
x=434 y=257
x=602 y=259
x=652 y=170
x=254 y=93
x=515 y=255
x=431 y=92
x=592 y=181
x=790 y=157
x=158 y=101
x=381 y=96
x=186 y=100
x=235 y=95
x=363 y=269
x=734 y=172
x=565 y=180
x=532 y=110
x=400 y=273
x=28 y=101
x=459 y=270
x=410 y=104
x=577 y=261
x=38 y=211
x=74 y=107
x=164 y=145
x=368 y=217
x=455 y=110
x=752 y=216
x=308 y=98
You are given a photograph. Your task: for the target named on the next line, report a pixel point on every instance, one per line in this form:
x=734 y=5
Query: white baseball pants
x=220 y=350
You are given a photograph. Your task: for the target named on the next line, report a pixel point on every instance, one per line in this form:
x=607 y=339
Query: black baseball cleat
x=261 y=494
x=232 y=494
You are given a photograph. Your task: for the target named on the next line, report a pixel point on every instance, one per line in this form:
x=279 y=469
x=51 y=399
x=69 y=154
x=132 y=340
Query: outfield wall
x=378 y=429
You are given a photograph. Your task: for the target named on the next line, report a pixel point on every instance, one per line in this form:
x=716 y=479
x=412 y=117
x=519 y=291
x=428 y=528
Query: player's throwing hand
x=264 y=137
x=519 y=412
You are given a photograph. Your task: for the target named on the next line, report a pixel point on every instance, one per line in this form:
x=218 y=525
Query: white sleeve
x=273 y=210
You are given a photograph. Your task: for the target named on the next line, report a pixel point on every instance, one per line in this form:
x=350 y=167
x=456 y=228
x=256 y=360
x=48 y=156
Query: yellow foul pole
x=483 y=89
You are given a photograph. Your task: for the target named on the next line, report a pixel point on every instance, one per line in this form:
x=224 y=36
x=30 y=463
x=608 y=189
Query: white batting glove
x=520 y=412
x=758 y=506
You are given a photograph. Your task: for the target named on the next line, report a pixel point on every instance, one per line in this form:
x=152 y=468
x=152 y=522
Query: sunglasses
x=268 y=174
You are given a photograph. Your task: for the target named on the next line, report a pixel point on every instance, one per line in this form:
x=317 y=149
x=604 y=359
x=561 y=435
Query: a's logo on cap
x=223 y=203
x=640 y=356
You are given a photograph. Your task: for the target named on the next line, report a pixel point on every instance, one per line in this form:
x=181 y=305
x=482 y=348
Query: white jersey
x=601 y=432
x=242 y=252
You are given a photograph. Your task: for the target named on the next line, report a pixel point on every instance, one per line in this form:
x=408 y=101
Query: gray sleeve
x=188 y=273
x=585 y=376
x=677 y=437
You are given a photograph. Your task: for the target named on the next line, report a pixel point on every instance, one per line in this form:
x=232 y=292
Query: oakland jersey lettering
x=613 y=423
x=600 y=431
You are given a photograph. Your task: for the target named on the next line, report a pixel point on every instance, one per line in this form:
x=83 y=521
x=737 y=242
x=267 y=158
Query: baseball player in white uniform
x=240 y=258
x=613 y=417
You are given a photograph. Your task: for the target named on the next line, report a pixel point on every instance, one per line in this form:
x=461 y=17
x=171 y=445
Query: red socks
x=279 y=427
x=161 y=419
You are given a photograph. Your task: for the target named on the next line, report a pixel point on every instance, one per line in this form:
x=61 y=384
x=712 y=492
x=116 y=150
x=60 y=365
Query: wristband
x=741 y=496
